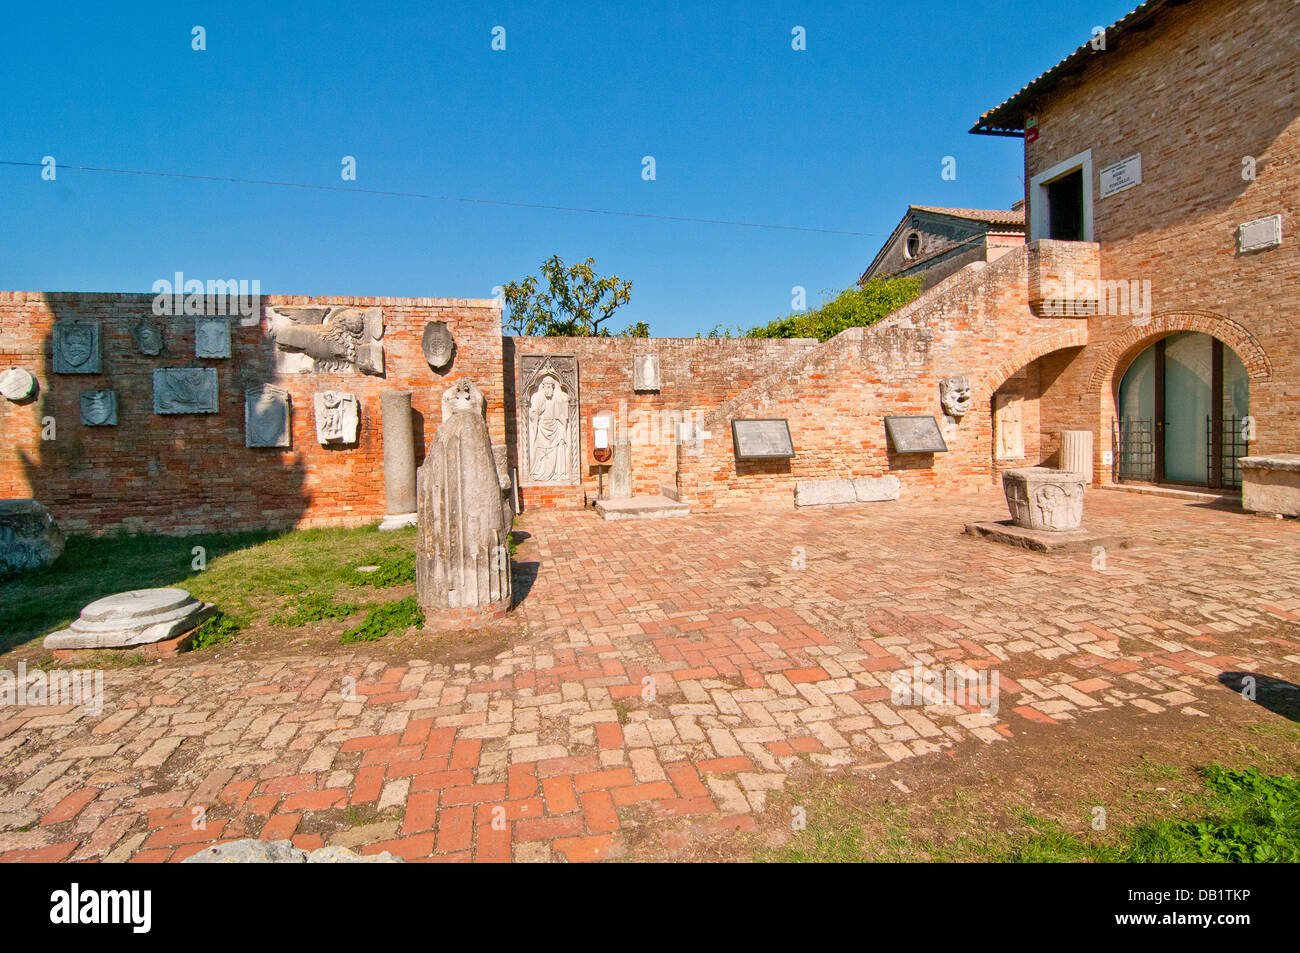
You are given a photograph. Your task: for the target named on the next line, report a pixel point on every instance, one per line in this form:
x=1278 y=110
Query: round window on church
x=912 y=247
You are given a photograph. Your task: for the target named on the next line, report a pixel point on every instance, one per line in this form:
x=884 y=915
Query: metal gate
x=1232 y=447
x=1133 y=446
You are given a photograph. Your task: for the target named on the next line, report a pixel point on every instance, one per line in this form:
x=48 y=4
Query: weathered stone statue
x=461 y=557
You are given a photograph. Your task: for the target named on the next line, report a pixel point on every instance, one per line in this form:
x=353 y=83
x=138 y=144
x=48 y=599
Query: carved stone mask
x=463 y=395
x=955 y=395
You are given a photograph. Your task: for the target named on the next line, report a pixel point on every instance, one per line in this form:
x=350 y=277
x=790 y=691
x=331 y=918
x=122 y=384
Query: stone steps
x=641 y=507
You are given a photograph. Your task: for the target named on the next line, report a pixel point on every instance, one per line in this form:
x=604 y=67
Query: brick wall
x=976 y=323
x=697 y=374
x=180 y=474
x=1210 y=84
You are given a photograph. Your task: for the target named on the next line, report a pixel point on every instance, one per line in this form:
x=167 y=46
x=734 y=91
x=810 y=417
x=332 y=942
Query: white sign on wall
x=1261 y=233
x=1121 y=175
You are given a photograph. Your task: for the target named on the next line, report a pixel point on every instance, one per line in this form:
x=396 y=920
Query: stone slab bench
x=860 y=490
x=1271 y=483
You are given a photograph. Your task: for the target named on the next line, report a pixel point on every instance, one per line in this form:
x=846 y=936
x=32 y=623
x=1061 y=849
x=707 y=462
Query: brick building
x=1152 y=304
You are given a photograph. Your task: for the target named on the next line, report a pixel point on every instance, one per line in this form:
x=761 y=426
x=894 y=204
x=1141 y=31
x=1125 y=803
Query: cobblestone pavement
x=667 y=669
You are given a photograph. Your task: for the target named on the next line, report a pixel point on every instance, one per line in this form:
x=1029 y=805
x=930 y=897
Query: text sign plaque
x=767 y=439
x=1121 y=175
x=915 y=435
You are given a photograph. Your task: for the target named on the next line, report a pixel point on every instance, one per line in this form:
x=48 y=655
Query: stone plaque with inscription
x=767 y=439
x=918 y=434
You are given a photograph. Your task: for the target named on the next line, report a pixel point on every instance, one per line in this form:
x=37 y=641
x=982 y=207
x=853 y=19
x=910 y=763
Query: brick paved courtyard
x=665 y=670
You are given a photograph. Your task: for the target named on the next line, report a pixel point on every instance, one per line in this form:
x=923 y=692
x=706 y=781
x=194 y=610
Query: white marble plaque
x=337 y=415
x=645 y=372
x=212 y=337
x=1259 y=234
x=1121 y=175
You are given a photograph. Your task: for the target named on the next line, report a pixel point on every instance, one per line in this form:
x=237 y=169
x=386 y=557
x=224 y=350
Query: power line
x=450 y=198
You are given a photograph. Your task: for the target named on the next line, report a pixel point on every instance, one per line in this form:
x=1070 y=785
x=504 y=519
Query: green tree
x=638 y=329
x=851 y=308
x=574 y=303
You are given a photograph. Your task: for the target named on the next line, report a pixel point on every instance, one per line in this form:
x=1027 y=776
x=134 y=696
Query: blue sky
x=842 y=135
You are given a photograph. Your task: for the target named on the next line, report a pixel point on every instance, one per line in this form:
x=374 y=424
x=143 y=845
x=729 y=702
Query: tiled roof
x=992 y=216
x=1008 y=119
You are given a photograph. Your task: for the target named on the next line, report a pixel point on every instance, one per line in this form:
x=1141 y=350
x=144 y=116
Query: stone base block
x=133 y=620
x=398 y=521
x=167 y=648
x=833 y=492
x=1047 y=541
x=1271 y=484
x=472 y=617
x=641 y=507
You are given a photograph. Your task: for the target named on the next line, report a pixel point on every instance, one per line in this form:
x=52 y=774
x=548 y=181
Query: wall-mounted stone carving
x=337 y=415
x=548 y=419
x=76 y=347
x=211 y=337
x=1008 y=427
x=266 y=416
x=645 y=372
x=17 y=383
x=955 y=395
x=185 y=390
x=148 y=334
x=328 y=340
x=437 y=344
x=99 y=408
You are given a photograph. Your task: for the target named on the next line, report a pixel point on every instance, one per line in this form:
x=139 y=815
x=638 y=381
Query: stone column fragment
x=399 y=459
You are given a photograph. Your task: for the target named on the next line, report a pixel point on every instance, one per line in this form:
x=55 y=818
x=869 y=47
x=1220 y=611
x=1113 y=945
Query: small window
x=912 y=247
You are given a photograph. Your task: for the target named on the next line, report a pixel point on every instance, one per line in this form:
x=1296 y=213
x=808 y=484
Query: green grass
x=1242 y=816
x=248 y=575
x=313 y=607
x=392 y=617
x=398 y=570
x=218 y=630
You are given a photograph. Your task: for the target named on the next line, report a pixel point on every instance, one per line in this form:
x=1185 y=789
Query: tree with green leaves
x=575 y=302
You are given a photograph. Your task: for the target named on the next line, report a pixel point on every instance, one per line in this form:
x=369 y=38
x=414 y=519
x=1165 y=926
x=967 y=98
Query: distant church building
x=938 y=242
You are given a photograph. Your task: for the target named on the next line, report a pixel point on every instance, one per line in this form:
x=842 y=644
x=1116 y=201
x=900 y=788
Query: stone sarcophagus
x=1044 y=499
x=462 y=563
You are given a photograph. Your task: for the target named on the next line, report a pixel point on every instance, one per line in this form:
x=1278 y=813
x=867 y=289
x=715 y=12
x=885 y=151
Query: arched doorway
x=1181 y=414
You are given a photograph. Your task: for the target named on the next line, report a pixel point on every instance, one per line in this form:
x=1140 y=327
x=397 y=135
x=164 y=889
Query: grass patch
x=314 y=607
x=247 y=575
x=1242 y=816
x=396 y=570
x=383 y=620
x=217 y=630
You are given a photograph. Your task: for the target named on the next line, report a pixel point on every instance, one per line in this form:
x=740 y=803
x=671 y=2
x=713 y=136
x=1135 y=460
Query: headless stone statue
x=461 y=557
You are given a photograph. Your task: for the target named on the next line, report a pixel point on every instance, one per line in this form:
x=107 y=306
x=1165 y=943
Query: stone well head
x=1044 y=499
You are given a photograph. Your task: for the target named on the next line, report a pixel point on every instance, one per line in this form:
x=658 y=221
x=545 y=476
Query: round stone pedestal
x=1043 y=499
x=128 y=619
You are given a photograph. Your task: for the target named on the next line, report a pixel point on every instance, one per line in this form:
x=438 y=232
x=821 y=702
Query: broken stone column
x=399 y=459
x=462 y=564
x=140 y=617
x=620 y=471
x=1076 y=453
x=29 y=537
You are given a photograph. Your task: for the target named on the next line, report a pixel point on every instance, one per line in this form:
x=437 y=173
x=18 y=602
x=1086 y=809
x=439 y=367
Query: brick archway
x=1119 y=351
x=1027 y=353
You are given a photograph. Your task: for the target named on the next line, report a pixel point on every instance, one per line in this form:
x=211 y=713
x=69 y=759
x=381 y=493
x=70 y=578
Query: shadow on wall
x=173 y=474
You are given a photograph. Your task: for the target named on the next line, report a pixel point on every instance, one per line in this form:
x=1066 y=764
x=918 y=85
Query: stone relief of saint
x=548 y=432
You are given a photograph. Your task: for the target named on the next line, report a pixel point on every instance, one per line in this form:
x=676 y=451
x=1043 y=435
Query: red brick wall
x=697 y=374
x=977 y=323
x=181 y=474
x=1210 y=84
